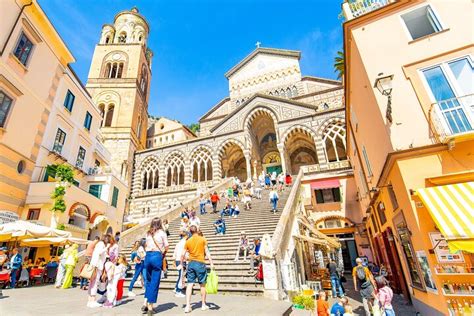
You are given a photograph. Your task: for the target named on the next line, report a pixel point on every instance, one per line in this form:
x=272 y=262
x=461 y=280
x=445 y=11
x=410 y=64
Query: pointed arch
x=149 y=171
x=174 y=172
x=201 y=164
x=334 y=140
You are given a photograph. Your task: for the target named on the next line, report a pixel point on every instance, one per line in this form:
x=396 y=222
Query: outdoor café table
x=36 y=273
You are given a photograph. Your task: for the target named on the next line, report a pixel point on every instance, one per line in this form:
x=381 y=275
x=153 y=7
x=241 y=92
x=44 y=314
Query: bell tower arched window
x=109 y=115
x=113 y=70
x=144 y=79
x=122 y=38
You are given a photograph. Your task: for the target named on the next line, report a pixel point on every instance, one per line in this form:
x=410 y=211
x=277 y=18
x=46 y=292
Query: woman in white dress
x=97 y=261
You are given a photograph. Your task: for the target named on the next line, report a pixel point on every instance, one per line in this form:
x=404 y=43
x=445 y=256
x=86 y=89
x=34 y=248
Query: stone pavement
x=46 y=300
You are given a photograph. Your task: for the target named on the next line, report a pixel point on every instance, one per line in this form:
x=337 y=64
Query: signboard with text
x=8 y=217
x=441 y=249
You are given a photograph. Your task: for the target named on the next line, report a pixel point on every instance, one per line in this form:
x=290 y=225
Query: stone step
x=233 y=276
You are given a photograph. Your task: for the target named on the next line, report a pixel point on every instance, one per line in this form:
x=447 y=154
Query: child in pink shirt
x=385 y=295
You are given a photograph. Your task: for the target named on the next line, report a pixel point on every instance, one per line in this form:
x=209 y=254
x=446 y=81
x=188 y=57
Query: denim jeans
x=179 y=281
x=336 y=286
x=220 y=229
x=153 y=266
x=138 y=270
x=389 y=312
x=274 y=204
x=202 y=207
x=13 y=274
x=83 y=282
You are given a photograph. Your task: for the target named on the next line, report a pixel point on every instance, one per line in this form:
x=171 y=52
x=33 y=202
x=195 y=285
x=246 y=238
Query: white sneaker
x=187 y=310
x=131 y=294
x=204 y=307
x=179 y=295
x=174 y=291
x=93 y=304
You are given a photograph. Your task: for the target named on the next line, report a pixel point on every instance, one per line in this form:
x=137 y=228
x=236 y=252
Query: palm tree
x=339 y=64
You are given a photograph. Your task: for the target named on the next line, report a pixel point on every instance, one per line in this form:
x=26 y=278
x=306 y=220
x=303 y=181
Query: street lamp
x=384 y=85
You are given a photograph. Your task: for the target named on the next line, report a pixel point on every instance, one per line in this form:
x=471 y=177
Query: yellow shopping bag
x=212 y=282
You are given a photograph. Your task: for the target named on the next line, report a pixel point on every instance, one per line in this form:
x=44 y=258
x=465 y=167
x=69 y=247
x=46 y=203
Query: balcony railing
x=452 y=117
x=355 y=8
x=58 y=148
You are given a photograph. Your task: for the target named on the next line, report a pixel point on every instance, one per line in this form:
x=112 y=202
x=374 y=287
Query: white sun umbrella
x=46 y=241
x=24 y=229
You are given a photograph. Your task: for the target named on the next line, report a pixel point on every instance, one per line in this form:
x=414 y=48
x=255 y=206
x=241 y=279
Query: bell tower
x=119 y=81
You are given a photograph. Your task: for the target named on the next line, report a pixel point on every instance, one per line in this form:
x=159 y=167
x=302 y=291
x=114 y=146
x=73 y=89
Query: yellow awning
x=452 y=209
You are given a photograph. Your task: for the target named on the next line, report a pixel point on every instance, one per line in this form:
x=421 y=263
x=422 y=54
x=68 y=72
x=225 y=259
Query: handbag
x=343 y=279
x=87 y=271
x=163 y=262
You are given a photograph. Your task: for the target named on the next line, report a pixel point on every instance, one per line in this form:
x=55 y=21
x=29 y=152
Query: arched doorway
x=233 y=161
x=262 y=133
x=79 y=215
x=301 y=150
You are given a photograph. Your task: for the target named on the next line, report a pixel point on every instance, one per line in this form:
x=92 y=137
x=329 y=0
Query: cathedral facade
x=274 y=119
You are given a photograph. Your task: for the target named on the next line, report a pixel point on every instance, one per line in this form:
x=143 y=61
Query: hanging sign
x=8 y=217
x=441 y=249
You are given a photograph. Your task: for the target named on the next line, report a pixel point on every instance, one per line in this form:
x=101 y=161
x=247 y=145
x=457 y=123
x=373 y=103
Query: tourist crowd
x=103 y=270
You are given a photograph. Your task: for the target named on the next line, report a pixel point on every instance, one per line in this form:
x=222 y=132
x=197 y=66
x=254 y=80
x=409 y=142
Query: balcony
x=342 y=165
x=352 y=9
x=40 y=193
x=102 y=152
x=452 y=118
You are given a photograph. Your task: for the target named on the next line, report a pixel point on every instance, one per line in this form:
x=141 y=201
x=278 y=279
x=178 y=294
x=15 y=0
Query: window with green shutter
x=95 y=190
x=115 y=197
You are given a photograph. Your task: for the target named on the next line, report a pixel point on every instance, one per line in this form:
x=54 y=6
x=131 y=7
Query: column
x=188 y=176
x=321 y=153
x=162 y=178
x=248 y=164
x=255 y=176
x=281 y=150
x=216 y=168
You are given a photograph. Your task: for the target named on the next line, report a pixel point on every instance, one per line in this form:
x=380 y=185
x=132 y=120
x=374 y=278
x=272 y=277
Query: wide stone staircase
x=233 y=276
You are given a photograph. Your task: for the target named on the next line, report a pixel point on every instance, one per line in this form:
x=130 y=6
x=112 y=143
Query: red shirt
x=214 y=198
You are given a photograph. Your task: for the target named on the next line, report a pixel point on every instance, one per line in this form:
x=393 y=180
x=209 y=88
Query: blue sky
x=196 y=42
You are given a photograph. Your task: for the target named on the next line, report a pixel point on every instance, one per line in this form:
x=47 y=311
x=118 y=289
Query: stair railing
x=129 y=236
x=281 y=239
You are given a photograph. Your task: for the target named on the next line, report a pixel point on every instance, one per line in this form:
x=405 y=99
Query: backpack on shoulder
x=360 y=272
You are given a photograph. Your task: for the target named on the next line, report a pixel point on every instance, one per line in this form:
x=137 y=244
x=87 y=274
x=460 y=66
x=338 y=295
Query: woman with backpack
x=364 y=283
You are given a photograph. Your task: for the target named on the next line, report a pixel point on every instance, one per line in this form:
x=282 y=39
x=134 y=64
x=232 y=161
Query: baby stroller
x=4 y=278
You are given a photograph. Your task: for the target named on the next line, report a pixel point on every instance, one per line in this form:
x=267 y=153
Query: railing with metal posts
x=355 y=8
x=452 y=117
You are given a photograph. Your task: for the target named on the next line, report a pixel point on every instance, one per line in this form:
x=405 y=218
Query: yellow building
x=119 y=82
x=163 y=132
x=32 y=60
x=97 y=200
x=409 y=87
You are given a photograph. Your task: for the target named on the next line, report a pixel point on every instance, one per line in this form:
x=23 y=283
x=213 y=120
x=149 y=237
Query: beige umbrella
x=22 y=230
x=46 y=241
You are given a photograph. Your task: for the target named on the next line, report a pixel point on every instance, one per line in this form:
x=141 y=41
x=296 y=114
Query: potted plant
x=306 y=302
